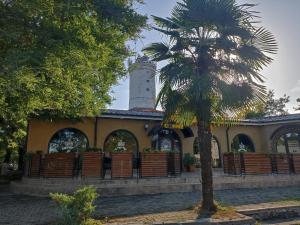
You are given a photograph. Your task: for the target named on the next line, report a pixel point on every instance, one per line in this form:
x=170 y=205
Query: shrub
x=150 y=150
x=76 y=209
x=93 y=150
x=189 y=159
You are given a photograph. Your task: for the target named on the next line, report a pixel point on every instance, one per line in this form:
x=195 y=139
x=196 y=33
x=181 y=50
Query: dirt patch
x=224 y=213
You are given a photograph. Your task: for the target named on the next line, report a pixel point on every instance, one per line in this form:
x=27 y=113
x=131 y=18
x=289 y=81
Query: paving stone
x=25 y=210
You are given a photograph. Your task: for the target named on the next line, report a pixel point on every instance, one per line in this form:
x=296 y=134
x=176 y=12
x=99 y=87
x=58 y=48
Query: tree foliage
x=76 y=209
x=297 y=107
x=60 y=58
x=272 y=107
x=215 y=52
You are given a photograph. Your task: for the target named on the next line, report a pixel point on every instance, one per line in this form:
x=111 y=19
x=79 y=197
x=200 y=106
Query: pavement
x=28 y=210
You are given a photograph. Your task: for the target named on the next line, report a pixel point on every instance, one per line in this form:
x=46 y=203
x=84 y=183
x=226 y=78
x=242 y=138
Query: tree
x=276 y=107
x=213 y=58
x=272 y=107
x=298 y=107
x=59 y=59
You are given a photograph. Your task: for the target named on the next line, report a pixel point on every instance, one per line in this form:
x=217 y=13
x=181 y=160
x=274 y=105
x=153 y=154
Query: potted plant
x=154 y=163
x=92 y=162
x=189 y=162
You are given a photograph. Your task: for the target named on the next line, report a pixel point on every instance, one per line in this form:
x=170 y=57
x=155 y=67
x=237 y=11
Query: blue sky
x=281 y=17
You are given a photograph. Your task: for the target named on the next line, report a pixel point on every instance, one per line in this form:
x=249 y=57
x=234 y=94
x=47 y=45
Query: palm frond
x=157 y=51
x=214 y=58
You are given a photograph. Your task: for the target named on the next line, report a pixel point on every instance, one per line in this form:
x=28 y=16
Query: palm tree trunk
x=204 y=135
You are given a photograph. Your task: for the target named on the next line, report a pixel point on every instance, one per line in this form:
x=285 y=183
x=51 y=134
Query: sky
x=281 y=17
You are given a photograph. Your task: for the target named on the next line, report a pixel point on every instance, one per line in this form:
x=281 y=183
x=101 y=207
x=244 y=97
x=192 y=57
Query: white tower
x=142 y=92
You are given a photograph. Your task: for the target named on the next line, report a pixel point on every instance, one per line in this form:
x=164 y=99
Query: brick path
x=25 y=210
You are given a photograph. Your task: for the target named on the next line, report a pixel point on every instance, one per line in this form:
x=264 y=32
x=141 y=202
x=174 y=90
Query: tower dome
x=142 y=91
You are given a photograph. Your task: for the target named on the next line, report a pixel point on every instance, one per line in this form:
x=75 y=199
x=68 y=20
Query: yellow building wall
x=107 y=125
x=269 y=130
x=219 y=132
x=41 y=132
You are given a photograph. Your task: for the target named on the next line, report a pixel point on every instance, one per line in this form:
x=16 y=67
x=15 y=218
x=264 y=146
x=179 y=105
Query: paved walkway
x=25 y=210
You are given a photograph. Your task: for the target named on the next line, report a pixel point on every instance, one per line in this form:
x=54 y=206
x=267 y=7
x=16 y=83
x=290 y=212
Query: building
x=140 y=128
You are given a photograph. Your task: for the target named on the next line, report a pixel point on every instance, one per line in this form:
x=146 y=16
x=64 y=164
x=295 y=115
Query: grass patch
x=289 y=200
x=222 y=211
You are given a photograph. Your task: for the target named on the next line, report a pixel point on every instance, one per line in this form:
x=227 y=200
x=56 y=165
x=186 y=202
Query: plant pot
x=190 y=168
x=154 y=164
x=121 y=165
x=92 y=164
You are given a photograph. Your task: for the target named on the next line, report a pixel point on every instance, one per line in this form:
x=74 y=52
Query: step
x=106 y=191
x=275 y=210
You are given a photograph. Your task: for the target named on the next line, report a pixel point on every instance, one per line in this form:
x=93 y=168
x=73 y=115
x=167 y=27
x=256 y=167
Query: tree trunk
x=204 y=135
x=7 y=157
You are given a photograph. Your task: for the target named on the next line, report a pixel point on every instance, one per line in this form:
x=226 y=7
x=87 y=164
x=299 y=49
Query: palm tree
x=214 y=53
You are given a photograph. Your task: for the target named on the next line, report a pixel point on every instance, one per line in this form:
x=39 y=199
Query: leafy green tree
x=272 y=107
x=298 y=107
x=214 y=55
x=276 y=107
x=60 y=59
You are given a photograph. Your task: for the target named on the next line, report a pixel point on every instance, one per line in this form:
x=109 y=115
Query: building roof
x=273 y=119
x=152 y=114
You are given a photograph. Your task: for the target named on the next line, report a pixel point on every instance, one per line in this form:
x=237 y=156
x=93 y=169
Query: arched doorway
x=286 y=140
x=166 y=140
x=121 y=141
x=215 y=152
x=68 y=140
x=242 y=143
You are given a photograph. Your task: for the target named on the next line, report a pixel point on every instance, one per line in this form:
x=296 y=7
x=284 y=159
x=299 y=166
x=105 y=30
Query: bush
x=151 y=150
x=93 y=150
x=76 y=209
x=189 y=159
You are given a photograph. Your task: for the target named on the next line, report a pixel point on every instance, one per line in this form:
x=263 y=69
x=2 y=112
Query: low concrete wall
x=42 y=187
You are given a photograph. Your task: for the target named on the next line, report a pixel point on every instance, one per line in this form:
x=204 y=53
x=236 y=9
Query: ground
x=25 y=210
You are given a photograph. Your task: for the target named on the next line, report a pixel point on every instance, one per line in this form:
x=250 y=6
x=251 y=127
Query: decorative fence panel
x=58 y=165
x=280 y=163
x=154 y=164
x=35 y=162
x=256 y=163
x=174 y=164
x=232 y=163
x=121 y=166
x=259 y=163
x=92 y=164
x=296 y=163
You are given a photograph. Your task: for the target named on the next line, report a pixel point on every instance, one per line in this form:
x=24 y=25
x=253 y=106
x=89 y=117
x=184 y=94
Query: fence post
x=274 y=163
x=242 y=164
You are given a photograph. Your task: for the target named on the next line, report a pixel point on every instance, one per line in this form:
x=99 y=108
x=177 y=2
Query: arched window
x=121 y=141
x=68 y=140
x=242 y=143
x=166 y=140
x=215 y=151
x=288 y=143
x=286 y=139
